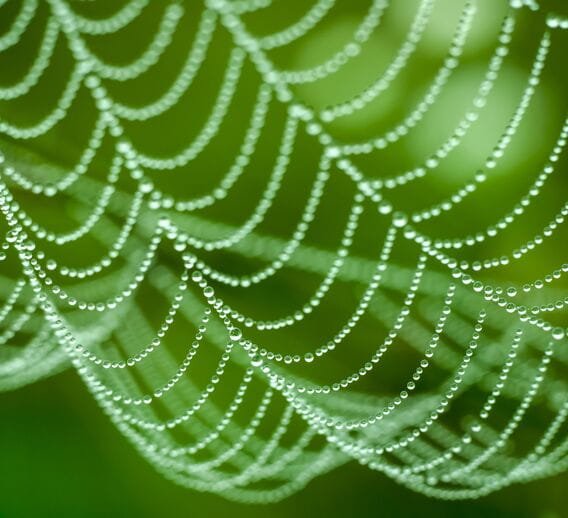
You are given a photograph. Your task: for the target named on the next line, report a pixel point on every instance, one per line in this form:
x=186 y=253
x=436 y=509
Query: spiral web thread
x=193 y=379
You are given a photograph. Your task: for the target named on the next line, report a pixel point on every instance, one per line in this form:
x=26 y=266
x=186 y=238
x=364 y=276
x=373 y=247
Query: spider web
x=408 y=350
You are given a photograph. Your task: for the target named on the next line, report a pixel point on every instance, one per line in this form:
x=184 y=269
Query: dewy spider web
x=171 y=344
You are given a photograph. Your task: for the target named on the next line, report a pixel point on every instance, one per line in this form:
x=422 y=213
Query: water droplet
x=399 y=219
x=385 y=207
x=332 y=152
x=146 y=186
x=480 y=177
x=235 y=334
x=12 y=236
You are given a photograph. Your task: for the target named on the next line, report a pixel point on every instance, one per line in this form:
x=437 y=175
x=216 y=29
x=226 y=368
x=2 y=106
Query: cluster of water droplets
x=455 y=321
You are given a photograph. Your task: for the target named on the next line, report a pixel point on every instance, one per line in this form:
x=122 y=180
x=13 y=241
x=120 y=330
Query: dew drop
x=385 y=207
x=235 y=334
x=256 y=361
x=399 y=219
